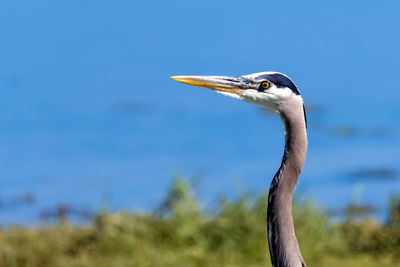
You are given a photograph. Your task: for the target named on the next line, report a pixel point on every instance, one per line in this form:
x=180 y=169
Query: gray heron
x=278 y=92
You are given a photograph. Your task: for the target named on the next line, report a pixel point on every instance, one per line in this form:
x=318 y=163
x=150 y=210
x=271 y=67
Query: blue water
x=89 y=116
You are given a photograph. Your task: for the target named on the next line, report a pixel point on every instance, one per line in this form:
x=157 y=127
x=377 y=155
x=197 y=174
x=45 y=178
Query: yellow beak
x=216 y=83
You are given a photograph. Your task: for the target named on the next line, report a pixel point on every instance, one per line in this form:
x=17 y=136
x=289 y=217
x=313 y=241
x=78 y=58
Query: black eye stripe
x=280 y=80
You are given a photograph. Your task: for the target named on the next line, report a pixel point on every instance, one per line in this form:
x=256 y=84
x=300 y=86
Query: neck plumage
x=283 y=246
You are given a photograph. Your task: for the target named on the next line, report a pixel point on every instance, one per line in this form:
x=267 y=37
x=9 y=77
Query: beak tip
x=175 y=78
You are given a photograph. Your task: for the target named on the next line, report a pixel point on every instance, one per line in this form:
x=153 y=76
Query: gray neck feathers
x=283 y=246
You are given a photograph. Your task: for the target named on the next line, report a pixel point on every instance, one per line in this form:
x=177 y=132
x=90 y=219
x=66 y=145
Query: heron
x=279 y=93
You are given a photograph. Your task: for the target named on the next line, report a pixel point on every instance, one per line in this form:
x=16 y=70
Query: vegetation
x=180 y=233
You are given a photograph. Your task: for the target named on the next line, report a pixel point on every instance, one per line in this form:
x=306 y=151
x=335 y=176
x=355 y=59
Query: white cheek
x=265 y=99
x=281 y=93
x=251 y=94
x=275 y=98
x=230 y=94
x=285 y=96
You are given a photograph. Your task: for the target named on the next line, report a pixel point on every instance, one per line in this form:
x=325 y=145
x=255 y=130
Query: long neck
x=283 y=246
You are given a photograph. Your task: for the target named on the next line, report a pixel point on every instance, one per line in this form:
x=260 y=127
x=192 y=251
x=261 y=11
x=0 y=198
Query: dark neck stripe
x=305 y=116
x=271 y=216
x=278 y=253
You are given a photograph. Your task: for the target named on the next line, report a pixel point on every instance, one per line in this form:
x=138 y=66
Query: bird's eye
x=265 y=85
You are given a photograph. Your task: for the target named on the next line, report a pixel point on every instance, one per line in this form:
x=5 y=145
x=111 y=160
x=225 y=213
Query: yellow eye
x=265 y=85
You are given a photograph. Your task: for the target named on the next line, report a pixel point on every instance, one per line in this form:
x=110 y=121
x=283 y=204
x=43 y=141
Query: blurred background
x=92 y=126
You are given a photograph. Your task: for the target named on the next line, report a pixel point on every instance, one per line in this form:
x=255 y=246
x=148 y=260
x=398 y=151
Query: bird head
x=272 y=89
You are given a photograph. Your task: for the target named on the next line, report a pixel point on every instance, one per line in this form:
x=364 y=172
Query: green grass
x=180 y=233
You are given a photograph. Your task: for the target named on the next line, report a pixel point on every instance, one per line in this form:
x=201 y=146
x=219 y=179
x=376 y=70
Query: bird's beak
x=235 y=85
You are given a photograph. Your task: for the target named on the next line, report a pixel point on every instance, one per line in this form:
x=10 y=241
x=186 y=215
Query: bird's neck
x=283 y=246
